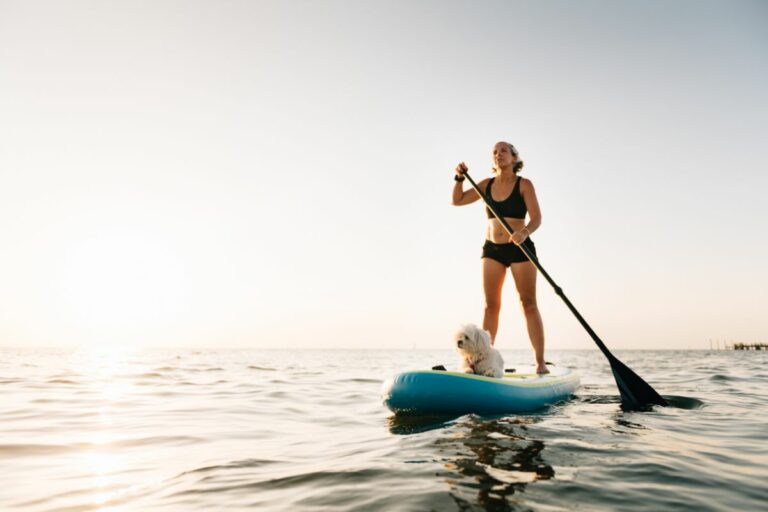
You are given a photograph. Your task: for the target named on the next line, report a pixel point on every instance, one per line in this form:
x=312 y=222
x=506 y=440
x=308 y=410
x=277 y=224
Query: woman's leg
x=525 y=282
x=493 y=279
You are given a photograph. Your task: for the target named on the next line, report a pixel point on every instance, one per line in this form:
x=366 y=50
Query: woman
x=513 y=197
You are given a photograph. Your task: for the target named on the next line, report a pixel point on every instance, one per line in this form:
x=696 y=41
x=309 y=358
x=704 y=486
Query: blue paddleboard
x=442 y=392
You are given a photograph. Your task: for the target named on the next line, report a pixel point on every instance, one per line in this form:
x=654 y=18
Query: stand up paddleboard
x=443 y=392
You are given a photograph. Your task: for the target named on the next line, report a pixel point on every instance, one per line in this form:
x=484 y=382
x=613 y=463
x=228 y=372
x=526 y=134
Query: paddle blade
x=635 y=392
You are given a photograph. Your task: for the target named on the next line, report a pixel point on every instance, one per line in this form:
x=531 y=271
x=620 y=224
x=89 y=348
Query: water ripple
x=242 y=430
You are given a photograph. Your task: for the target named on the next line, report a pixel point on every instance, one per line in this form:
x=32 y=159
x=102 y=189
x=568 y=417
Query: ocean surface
x=186 y=430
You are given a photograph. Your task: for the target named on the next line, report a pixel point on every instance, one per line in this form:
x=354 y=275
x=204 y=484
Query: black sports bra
x=513 y=206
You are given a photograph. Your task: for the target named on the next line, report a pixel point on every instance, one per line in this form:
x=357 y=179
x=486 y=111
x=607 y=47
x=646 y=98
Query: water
x=182 y=430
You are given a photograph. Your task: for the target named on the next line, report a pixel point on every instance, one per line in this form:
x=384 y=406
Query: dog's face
x=470 y=340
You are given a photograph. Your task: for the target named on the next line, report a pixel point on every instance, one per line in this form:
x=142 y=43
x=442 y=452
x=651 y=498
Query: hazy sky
x=278 y=173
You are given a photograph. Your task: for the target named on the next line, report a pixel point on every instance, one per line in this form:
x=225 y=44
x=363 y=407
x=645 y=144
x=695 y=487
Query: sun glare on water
x=106 y=370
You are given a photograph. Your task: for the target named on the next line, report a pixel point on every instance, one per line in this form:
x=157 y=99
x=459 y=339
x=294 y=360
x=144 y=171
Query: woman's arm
x=460 y=196
x=532 y=204
x=534 y=212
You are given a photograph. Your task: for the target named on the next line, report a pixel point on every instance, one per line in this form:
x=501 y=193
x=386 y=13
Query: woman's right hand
x=461 y=169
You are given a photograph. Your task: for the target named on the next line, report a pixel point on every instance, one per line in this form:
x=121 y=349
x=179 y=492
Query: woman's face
x=502 y=155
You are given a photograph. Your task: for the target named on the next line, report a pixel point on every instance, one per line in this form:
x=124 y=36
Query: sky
x=278 y=174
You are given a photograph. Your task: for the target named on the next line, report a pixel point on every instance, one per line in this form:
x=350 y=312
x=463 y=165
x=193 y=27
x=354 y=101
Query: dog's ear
x=486 y=337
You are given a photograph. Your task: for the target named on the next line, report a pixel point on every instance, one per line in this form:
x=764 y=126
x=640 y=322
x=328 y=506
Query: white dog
x=477 y=355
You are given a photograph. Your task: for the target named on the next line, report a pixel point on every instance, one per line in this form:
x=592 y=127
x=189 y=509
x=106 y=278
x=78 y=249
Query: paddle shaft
x=535 y=261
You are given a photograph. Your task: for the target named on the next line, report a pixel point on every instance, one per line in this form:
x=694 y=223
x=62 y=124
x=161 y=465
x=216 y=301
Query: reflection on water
x=405 y=424
x=684 y=402
x=485 y=461
x=496 y=459
x=626 y=424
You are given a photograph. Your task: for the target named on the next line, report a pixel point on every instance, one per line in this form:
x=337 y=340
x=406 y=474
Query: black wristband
x=459 y=178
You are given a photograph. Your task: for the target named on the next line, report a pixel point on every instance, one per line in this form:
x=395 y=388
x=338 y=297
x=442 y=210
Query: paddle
x=635 y=392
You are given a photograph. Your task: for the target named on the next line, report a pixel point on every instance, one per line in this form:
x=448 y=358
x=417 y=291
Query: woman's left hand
x=519 y=236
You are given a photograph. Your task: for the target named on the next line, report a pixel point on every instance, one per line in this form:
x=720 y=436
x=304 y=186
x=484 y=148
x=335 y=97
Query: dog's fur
x=477 y=356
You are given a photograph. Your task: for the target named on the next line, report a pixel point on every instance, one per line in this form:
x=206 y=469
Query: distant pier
x=750 y=346
x=736 y=346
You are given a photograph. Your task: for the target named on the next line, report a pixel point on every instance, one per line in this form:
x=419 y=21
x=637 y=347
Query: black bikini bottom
x=506 y=254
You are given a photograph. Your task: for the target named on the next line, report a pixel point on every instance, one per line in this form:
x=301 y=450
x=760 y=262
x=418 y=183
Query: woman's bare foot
x=541 y=369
